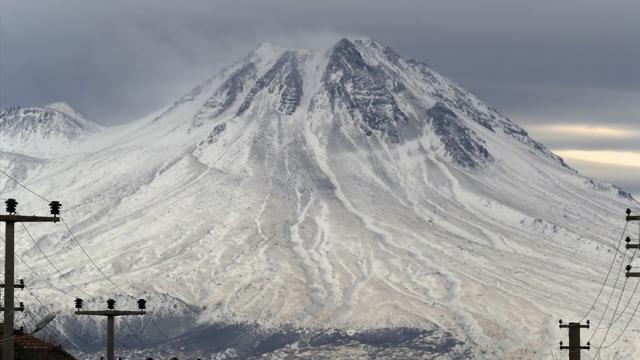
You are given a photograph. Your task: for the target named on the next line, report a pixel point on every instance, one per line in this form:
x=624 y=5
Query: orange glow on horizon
x=586 y=131
x=609 y=157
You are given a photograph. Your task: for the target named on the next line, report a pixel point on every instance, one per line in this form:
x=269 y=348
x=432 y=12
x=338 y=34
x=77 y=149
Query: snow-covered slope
x=46 y=132
x=350 y=190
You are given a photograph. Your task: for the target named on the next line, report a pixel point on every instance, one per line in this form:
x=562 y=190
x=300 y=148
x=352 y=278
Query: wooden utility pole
x=111 y=313
x=9 y=285
x=574 y=339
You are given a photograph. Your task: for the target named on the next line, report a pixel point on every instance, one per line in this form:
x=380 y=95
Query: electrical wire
x=630 y=319
x=23 y=186
x=592 y=307
x=73 y=237
x=103 y=274
x=81 y=248
x=632 y=293
x=611 y=323
x=624 y=329
x=51 y=262
x=90 y=258
x=613 y=291
x=63 y=325
x=39 y=275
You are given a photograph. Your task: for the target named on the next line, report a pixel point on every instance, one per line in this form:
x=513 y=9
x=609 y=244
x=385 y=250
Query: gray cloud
x=539 y=62
x=119 y=59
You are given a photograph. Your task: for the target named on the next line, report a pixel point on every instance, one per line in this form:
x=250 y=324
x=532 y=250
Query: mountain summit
x=323 y=203
x=51 y=130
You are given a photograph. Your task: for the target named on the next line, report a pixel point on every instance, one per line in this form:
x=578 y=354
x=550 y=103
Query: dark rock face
x=17 y=120
x=361 y=88
x=226 y=94
x=217 y=130
x=229 y=91
x=461 y=143
x=284 y=79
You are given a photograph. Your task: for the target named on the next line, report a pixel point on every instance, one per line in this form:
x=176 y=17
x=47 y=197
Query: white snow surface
x=303 y=219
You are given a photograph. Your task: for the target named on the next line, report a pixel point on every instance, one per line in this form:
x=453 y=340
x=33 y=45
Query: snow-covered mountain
x=49 y=131
x=335 y=203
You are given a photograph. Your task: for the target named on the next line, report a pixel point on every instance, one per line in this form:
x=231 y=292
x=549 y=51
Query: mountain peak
x=367 y=89
x=44 y=131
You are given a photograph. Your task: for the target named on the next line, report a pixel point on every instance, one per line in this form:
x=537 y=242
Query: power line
x=83 y=250
x=599 y=327
x=63 y=325
x=592 y=307
x=51 y=262
x=611 y=323
x=70 y=233
x=23 y=186
x=40 y=275
x=624 y=329
x=632 y=314
x=90 y=258
x=613 y=290
x=632 y=294
x=599 y=352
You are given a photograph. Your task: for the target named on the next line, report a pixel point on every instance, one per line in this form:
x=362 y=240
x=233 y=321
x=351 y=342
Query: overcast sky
x=568 y=71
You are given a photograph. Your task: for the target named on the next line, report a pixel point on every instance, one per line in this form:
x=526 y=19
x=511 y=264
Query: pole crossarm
x=632 y=274
x=633 y=218
x=565 y=347
x=571 y=325
x=19 y=285
x=574 y=346
x=26 y=218
x=110 y=312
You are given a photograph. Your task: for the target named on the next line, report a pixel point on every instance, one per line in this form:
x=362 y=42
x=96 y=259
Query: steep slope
x=330 y=203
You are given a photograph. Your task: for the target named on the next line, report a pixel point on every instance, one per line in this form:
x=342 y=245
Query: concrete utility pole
x=574 y=339
x=630 y=217
x=111 y=313
x=10 y=221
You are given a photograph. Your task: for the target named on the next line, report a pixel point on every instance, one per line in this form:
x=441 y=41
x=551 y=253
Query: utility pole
x=111 y=313
x=575 y=346
x=574 y=339
x=9 y=285
x=630 y=217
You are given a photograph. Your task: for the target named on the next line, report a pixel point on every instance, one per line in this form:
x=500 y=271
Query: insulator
x=55 y=207
x=142 y=304
x=628 y=212
x=78 y=302
x=111 y=304
x=11 y=205
x=628 y=239
x=628 y=267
